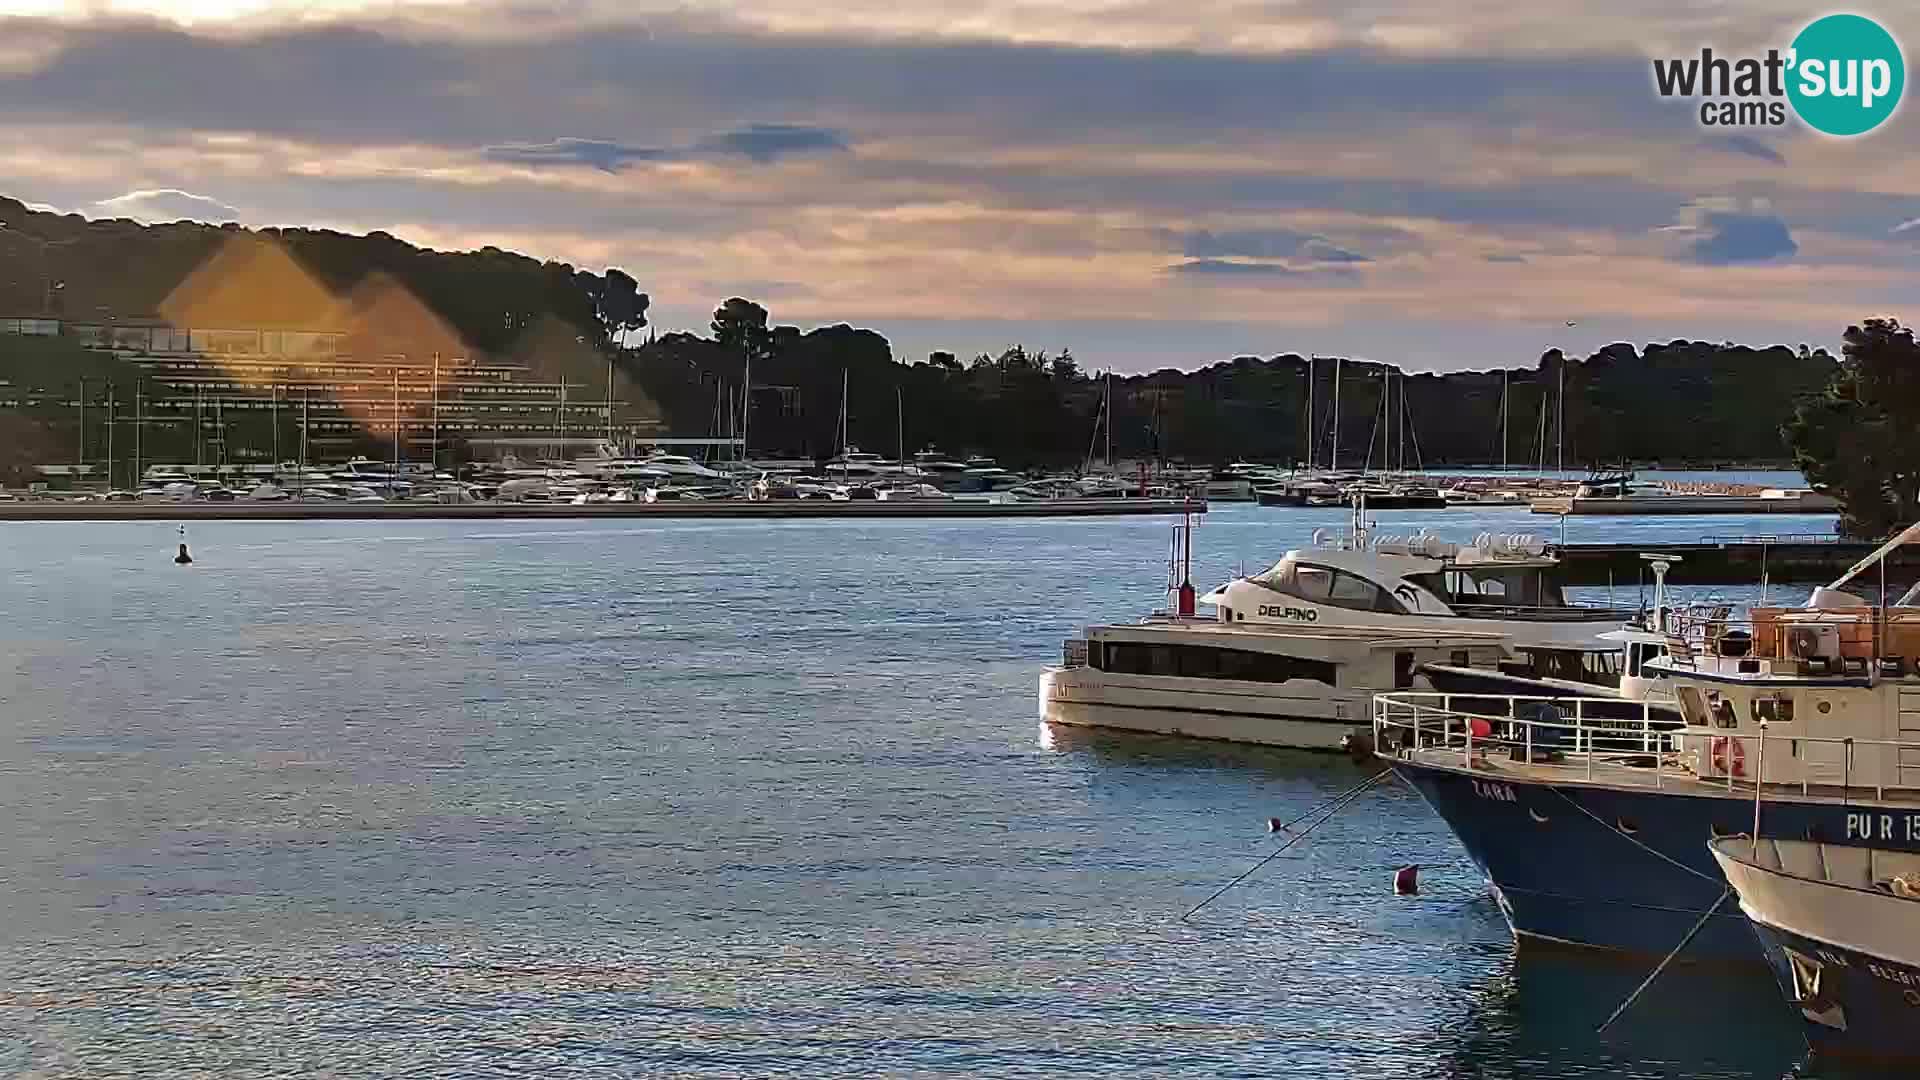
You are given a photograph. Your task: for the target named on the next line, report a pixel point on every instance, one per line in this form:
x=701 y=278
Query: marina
x=999 y=542
x=708 y=509
x=470 y=751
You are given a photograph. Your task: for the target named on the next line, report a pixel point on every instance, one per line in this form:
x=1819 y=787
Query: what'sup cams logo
x=1843 y=75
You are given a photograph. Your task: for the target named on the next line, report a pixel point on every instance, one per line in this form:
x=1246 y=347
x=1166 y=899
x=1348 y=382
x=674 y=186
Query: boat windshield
x=1494 y=585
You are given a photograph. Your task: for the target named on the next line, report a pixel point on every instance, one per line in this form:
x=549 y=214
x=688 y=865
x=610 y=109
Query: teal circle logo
x=1847 y=75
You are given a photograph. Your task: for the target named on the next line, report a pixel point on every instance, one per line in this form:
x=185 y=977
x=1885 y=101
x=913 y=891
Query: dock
x=1807 y=502
x=1805 y=559
x=726 y=509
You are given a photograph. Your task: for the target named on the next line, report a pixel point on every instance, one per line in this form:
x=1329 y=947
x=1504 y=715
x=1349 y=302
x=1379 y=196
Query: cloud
x=1907 y=230
x=610 y=157
x=760 y=143
x=765 y=143
x=1242 y=268
x=1501 y=257
x=167 y=204
x=1745 y=145
x=1266 y=244
x=1725 y=232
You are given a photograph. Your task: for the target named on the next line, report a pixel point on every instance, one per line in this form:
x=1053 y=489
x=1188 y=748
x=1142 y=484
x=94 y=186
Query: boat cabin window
x=1209 y=662
x=1505 y=586
x=1693 y=706
x=1638 y=653
x=1334 y=588
x=1774 y=709
x=1723 y=714
x=1576 y=665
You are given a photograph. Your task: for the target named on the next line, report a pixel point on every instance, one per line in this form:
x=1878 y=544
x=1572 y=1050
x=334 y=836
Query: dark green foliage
x=1683 y=401
x=1855 y=438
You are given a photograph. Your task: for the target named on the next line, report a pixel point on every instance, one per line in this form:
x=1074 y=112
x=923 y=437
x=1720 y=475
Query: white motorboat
x=1270 y=680
x=1308 y=687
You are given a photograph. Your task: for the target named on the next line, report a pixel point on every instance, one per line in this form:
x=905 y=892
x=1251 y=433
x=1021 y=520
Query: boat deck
x=1440 y=731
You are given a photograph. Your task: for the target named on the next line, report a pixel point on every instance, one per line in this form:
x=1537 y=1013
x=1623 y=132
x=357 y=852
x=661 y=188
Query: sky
x=1439 y=184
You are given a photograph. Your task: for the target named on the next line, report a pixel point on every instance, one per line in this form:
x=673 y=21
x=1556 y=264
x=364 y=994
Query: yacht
x=985 y=474
x=1269 y=680
x=1238 y=482
x=938 y=467
x=1306 y=687
x=1502 y=584
x=680 y=469
x=909 y=491
x=1803 y=727
x=857 y=465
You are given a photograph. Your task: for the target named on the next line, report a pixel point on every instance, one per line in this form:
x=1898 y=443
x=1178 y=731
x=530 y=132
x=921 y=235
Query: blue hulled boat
x=1594 y=831
x=1841 y=930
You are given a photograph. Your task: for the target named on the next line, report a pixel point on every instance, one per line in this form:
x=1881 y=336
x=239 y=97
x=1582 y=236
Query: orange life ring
x=1729 y=756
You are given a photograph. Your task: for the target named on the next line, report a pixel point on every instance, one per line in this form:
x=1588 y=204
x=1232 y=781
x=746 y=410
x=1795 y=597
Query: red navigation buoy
x=1406 y=881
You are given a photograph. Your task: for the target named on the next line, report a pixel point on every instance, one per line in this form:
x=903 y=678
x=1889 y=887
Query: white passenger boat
x=1278 y=685
x=1265 y=679
x=1503 y=584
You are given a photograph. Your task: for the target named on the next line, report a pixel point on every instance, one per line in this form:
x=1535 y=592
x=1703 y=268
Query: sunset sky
x=1441 y=184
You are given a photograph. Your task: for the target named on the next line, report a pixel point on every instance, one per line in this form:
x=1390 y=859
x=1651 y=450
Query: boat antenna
x=1661 y=564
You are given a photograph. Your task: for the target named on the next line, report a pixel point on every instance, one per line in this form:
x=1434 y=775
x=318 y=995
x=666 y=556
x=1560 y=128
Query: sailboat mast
x=746 y=393
x=306 y=414
x=1403 y=421
x=1310 y=389
x=1560 y=419
x=1110 y=421
x=900 y=422
x=1505 y=416
x=1333 y=462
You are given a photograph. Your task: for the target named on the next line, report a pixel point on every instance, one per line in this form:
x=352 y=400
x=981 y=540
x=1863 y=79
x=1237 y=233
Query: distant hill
x=297 y=279
x=1682 y=401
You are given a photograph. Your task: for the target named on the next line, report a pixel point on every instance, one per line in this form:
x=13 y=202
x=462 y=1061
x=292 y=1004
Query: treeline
x=1679 y=401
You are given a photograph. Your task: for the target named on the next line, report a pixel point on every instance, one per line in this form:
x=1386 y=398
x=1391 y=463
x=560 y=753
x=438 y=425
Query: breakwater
x=1730 y=561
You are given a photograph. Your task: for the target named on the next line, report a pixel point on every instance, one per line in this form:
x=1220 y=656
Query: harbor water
x=691 y=799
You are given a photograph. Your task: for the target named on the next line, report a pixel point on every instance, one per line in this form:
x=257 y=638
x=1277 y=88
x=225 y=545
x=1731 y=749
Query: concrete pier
x=51 y=510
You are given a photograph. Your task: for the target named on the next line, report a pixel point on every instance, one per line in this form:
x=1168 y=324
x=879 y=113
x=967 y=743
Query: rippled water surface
x=741 y=799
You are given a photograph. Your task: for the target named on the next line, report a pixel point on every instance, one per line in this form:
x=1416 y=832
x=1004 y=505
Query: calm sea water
x=742 y=799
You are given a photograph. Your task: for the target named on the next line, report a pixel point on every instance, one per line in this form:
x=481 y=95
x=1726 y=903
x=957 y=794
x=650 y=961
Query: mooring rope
x=1648 y=981
x=1326 y=810
x=1655 y=852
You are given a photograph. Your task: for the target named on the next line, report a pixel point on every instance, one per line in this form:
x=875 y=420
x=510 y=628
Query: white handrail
x=1436 y=722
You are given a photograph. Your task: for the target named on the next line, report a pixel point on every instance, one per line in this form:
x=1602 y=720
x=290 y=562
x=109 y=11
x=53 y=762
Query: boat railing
x=1881 y=641
x=1476 y=726
x=1532 y=727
